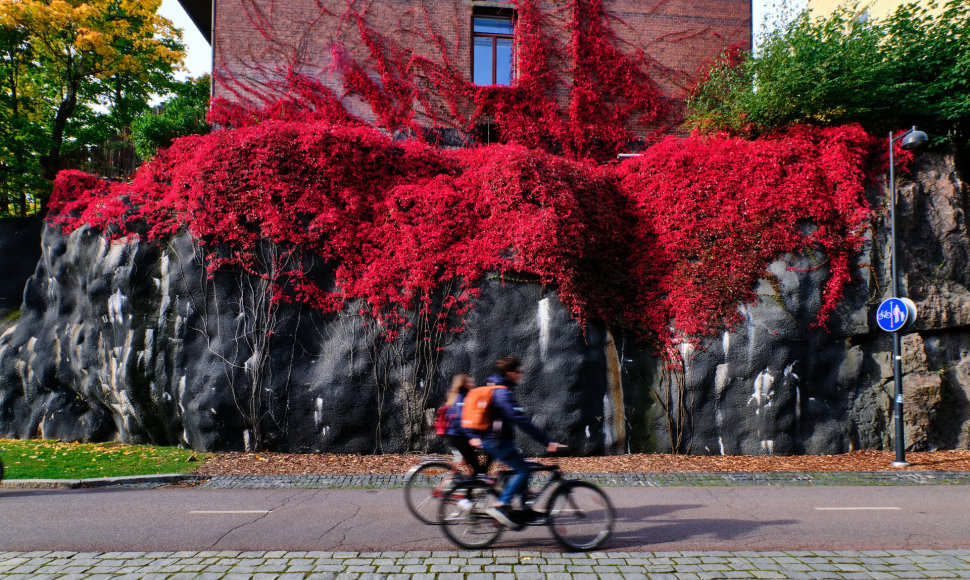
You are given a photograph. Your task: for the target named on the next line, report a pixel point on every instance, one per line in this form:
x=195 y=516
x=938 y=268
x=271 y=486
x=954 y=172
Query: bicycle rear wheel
x=462 y=515
x=580 y=516
x=424 y=487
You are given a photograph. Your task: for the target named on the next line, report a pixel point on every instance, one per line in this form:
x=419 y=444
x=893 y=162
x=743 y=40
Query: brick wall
x=255 y=38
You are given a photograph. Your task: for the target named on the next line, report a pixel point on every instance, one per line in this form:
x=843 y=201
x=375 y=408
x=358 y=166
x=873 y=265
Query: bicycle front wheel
x=580 y=516
x=462 y=515
x=424 y=487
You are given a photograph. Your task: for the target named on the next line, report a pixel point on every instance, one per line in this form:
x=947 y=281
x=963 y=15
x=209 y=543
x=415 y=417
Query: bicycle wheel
x=463 y=518
x=580 y=516
x=423 y=488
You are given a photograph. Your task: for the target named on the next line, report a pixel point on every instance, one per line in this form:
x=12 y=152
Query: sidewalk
x=488 y=565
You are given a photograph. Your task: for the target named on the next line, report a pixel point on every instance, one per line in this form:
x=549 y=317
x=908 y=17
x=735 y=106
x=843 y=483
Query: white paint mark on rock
x=116 y=307
x=543 y=318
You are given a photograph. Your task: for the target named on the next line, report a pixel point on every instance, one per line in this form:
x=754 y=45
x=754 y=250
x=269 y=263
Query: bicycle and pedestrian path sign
x=896 y=314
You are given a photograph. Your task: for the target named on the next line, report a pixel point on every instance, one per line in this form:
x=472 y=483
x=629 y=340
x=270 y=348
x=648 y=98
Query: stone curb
x=696 y=479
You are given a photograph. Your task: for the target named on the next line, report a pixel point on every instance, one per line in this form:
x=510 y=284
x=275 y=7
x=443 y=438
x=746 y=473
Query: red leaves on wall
x=717 y=211
x=608 y=94
x=676 y=238
x=665 y=246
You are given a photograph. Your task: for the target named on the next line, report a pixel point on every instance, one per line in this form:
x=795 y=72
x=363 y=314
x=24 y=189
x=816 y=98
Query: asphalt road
x=648 y=519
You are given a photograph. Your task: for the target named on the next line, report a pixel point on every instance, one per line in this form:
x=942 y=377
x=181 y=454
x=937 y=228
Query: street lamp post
x=910 y=140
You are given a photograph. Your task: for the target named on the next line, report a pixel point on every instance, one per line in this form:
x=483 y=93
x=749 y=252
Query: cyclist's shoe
x=523 y=517
x=500 y=513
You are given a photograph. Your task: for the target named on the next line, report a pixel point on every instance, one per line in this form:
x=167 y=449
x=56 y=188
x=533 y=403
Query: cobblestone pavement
x=622 y=479
x=488 y=565
x=601 y=479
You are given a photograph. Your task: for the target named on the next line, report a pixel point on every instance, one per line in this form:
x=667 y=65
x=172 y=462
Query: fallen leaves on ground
x=335 y=464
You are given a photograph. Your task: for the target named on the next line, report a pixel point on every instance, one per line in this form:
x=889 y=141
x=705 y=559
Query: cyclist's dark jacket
x=507 y=414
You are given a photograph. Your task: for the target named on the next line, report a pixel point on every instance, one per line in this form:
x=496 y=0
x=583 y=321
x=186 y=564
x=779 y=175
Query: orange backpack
x=476 y=413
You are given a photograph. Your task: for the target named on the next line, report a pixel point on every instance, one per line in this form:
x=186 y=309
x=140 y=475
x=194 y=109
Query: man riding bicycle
x=499 y=441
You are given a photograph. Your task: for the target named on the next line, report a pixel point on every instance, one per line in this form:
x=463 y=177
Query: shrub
x=911 y=68
x=183 y=114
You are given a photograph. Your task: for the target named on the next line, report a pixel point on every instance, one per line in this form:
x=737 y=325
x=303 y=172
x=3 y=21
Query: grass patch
x=43 y=459
x=12 y=315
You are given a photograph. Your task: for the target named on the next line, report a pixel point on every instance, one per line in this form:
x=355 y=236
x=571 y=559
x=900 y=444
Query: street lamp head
x=913 y=139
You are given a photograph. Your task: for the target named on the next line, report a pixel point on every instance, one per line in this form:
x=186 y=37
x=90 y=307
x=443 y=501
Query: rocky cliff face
x=133 y=342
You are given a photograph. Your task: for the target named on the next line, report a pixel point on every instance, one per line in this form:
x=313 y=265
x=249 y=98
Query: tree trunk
x=51 y=162
x=4 y=198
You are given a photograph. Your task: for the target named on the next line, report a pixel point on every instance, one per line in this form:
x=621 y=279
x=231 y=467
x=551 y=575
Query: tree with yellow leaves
x=91 y=56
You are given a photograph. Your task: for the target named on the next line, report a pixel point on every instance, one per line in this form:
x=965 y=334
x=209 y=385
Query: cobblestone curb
x=489 y=565
x=620 y=479
x=601 y=479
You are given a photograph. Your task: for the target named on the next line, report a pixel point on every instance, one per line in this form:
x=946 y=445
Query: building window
x=492 y=49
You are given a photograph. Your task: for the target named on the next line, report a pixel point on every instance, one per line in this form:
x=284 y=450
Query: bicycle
x=578 y=513
x=426 y=483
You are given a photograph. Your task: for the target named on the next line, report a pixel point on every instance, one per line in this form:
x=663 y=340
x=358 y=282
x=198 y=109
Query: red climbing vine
x=665 y=245
x=676 y=238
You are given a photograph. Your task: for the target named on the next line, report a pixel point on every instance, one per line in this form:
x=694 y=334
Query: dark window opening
x=492 y=38
x=487 y=133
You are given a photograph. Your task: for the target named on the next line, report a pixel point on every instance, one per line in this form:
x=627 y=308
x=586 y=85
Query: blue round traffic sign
x=895 y=313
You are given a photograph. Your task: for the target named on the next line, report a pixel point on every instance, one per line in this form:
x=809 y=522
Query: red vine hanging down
x=665 y=246
x=609 y=93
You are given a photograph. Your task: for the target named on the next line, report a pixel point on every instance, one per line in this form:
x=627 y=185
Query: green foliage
x=911 y=68
x=46 y=459
x=183 y=114
x=929 y=59
x=73 y=75
x=22 y=134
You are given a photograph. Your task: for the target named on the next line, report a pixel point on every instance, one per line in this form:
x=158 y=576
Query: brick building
x=254 y=40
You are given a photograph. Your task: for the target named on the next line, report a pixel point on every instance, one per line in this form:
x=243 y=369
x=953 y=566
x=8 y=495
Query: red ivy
x=666 y=246
x=674 y=239
x=610 y=95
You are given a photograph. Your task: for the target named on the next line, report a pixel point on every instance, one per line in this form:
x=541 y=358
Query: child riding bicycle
x=454 y=435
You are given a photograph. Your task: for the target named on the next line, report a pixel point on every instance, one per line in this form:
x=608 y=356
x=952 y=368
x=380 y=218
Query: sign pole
x=897 y=357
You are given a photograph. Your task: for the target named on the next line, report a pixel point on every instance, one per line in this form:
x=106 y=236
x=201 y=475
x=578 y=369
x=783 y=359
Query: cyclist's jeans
x=507 y=453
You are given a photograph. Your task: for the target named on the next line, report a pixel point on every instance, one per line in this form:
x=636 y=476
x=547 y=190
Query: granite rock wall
x=134 y=342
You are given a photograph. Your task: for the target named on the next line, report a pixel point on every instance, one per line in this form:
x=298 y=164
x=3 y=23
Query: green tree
x=89 y=56
x=22 y=134
x=912 y=67
x=183 y=114
x=929 y=60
